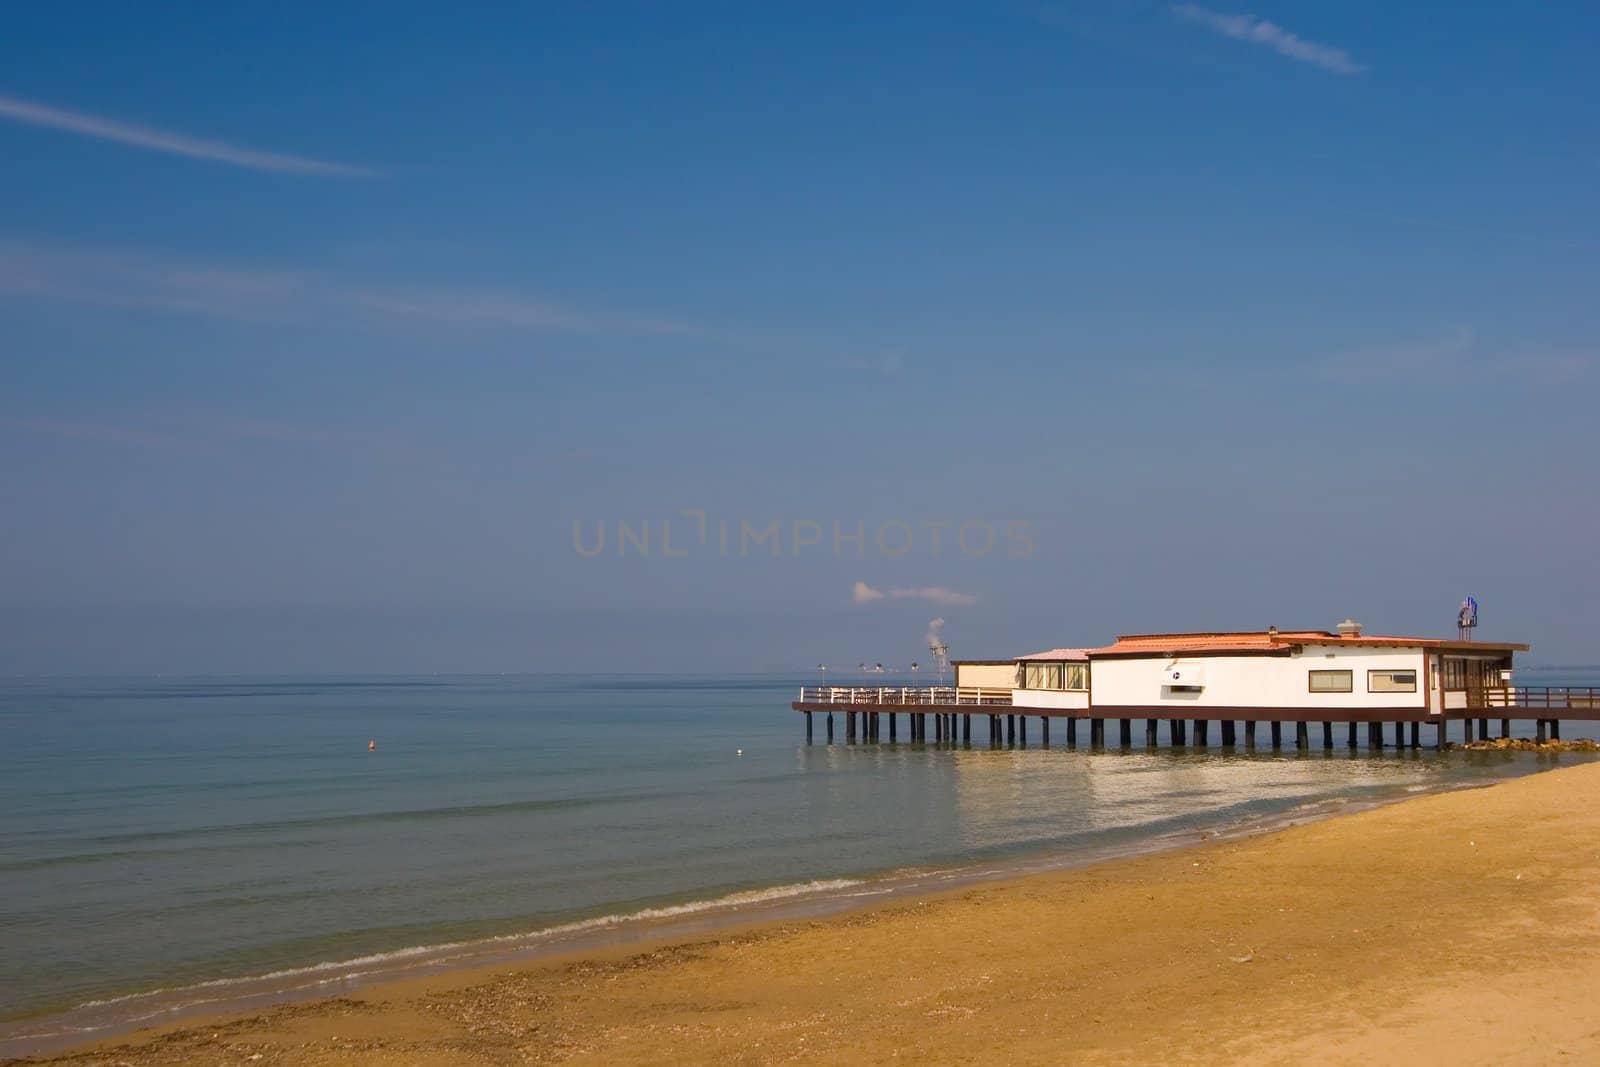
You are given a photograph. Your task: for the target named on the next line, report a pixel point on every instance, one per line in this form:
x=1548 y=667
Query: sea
x=174 y=846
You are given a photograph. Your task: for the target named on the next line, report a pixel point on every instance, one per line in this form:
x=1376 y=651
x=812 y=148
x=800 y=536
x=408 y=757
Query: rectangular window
x=1455 y=673
x=1077 y=676
x=1391 y=681
x=1042 y=675
x=1329 y=681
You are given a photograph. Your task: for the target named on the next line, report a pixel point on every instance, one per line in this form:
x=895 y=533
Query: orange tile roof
x=1056 y=655
x=1250 y=641
x=1267 y=641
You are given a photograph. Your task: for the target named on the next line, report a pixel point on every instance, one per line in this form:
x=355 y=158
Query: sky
x=334 y=339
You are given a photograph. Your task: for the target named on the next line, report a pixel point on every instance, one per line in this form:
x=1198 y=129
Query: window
x=1391 y=681
x=1055 y=675
x=1328 y=681
x=1042 y=676
x=1455 y=672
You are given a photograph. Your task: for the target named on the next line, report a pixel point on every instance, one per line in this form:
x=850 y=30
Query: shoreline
x=395 y=997
x=97 y=1021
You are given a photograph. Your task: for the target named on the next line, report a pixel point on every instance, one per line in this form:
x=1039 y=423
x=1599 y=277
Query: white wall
x=1252 y=681
x=1049 y=698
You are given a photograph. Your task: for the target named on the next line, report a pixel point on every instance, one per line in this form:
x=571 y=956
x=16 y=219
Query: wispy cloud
x=133 y=280
x=178 y=144
x=199 y=434
x=279 y=431
x=1373 y=363
x=1256 y=31
x=87 y=430
x=1493 y=234
x=890 y=364
x=1549 y=369
x=862 y=593
x=1454 y=358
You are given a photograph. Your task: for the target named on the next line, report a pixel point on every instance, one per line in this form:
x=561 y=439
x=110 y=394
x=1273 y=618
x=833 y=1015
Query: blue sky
x=320 y=328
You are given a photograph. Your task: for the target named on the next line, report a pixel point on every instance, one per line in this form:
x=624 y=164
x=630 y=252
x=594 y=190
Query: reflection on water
x=173 y=832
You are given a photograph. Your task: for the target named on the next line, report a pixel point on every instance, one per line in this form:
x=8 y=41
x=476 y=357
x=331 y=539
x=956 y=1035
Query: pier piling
x=864 y=711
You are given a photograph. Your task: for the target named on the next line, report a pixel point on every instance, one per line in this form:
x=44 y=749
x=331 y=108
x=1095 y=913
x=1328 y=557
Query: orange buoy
x=372 y=746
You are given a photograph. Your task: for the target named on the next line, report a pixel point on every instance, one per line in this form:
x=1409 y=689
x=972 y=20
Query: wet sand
x=1454 y=928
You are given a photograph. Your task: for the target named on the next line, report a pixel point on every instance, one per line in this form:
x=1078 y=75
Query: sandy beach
x=1454 y=928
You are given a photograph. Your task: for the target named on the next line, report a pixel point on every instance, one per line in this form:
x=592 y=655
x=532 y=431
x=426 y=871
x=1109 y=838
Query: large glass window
x=1329 y=681
x=1391 y=681
x=1455 y=672
x=1042 y=676
x=1055 y=676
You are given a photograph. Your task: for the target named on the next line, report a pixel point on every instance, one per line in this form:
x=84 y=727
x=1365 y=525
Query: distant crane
x=941 y=655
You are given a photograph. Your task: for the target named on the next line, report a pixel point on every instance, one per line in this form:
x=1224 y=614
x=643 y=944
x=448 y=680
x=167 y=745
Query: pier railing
x=1542 y=697
x=914 y=695
x=1519 y=697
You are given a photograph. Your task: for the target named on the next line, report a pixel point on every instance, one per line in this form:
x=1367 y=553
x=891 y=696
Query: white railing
x=945 y=695
x=1541 y=697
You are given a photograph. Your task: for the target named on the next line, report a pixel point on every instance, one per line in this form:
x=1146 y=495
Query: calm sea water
x=173 y=832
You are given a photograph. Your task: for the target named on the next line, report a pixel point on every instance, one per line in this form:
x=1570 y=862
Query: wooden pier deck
x=867 y=710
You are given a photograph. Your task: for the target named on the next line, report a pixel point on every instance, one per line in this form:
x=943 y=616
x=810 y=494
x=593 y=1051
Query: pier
x=943 y=715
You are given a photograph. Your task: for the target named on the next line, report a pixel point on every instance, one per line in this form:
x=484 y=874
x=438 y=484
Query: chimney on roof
x=1272 y=633
x=1349 y=628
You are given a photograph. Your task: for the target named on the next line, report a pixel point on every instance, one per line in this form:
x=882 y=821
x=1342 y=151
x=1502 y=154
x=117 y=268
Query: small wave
x=460 y=811
x=731 y=901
